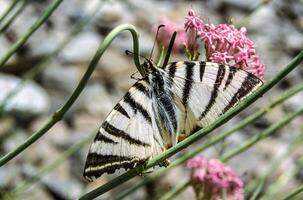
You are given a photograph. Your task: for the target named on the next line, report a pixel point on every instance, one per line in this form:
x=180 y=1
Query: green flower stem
x=9 y=9
x=248 y=120
x=272 y=190
x=44 y=62
x=25 y=184
x=13 y=17
x=175 y=191
x=21 y=41
x=267 y=132
x=272 y=129
x=61 y=112
x=259 y=188
x=50 y=167
x=293 y=193
x=199 y=134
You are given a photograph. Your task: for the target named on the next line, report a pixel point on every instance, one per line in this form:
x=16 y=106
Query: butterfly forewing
x=204 y=90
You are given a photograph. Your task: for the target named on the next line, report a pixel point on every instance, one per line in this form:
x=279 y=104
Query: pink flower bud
x=210 y=178
x=166 y=33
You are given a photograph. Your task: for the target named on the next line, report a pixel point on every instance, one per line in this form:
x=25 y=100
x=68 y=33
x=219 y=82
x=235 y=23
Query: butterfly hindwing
x=127 y=137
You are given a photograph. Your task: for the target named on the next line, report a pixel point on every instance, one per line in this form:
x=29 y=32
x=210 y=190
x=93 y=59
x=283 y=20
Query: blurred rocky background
x=72 y=35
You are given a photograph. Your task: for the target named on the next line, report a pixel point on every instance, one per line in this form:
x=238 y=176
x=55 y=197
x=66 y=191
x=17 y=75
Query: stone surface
x=275 y=28
x=31 y=100
x=81 y=49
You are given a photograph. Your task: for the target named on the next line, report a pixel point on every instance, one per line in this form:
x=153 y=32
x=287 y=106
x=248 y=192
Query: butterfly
x=167 y=105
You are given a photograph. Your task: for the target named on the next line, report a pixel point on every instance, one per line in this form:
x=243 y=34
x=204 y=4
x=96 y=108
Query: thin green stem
x=199 y=134
x=293 y=193
x=13 y=17
x=259 y=188
x=61 y=112
x=175 y=191
x=21 y=41
x=270 y=130
x=9 y=9
x=161 y=56
x=44 y=62
x=267 y=132
x=40 y=173
x=248 y=120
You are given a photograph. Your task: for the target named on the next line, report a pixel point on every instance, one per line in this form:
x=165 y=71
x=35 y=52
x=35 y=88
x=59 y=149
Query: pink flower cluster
x=211 y=178
x=166 y=33
x=224 y=44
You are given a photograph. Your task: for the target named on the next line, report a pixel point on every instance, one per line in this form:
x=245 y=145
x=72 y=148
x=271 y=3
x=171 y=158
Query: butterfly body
x=163 y=108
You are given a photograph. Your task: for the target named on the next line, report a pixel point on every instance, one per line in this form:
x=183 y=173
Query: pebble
x=81 y=49
x=22 y=103
x=277 y=38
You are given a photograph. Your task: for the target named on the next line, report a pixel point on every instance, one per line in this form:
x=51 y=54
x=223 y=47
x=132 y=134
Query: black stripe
x=214 y=94
x=164 y=107
x=139 y=86
x=110 y=129
x=95 y=159
x=247 y=85
x=188 y=81
x=103 y=138
x=121 y=110
x=136 y=106
x=111 y=168
x=202 y=69
x=172 y=70
x=232 y=71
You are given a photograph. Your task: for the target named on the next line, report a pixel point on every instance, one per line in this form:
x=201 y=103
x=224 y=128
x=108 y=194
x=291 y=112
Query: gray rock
x=97 y=101
x=62 y=78
x=248 y=4
x=113 y=13
x=8 y=175
x=294 y=39
x=30 y=101
x=114 y=66
x=35 y=192
x=65 y=188
x=81 y=49
x=59 y=134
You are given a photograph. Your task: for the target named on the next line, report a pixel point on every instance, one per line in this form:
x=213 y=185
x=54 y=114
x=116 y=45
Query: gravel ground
x=275 y=26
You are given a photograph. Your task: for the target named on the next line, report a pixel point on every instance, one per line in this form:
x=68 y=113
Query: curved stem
x=41 y=65
x=199 y=134
x=58 y=115
x=20 y=42
x=248 y=120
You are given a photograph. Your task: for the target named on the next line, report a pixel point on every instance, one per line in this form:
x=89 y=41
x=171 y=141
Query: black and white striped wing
x=204 y=90
x=127 y=137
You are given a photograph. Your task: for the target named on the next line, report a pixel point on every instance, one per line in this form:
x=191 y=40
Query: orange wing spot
x=167 y=146
x=181 y=137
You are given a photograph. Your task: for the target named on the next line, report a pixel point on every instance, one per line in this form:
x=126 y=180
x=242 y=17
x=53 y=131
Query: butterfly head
x=149 y=66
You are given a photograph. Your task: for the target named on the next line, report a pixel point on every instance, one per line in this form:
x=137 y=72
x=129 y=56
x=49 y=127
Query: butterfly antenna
x=169 y=49
x=151 y=53
x=127 y=52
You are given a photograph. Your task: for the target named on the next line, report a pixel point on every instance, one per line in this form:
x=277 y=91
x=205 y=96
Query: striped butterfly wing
x=127 y=137
x=203 y=91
